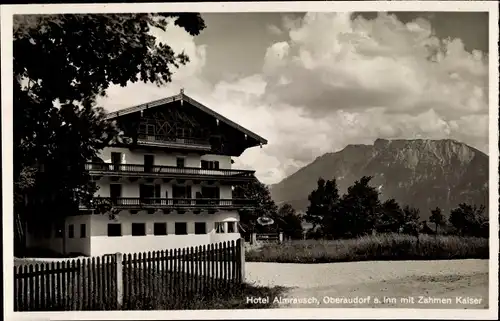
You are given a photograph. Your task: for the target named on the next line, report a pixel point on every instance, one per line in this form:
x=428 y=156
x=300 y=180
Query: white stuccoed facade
x=162 y=226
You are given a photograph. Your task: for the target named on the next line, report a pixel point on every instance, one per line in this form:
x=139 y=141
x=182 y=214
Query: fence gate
x=266 y=238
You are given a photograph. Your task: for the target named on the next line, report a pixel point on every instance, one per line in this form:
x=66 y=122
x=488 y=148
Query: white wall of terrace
x=101 y=243
x=131 y=189
x=163 y=158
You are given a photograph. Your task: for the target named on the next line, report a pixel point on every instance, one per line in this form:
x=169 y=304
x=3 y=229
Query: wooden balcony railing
x=172 y=203
x=175 y=141
x=142 y=170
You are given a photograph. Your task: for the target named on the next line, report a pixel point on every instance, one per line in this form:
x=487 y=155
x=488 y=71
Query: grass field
x=372 y=248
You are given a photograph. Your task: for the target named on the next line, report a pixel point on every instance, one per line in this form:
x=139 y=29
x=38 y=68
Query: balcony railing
x=155 y=171
x=182 y=142
x=172 y=203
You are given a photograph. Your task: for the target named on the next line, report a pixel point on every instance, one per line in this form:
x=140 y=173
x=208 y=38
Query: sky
x=312 y=83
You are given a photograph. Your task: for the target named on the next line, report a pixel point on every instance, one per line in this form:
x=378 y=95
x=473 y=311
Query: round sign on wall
x=263 y=220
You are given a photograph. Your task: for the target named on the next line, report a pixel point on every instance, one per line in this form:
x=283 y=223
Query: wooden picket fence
x=167 y=278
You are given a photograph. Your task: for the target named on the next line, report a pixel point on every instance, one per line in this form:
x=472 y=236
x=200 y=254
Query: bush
x=374 y=247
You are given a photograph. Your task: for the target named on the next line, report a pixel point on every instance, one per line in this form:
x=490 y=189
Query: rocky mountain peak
x=423 y=173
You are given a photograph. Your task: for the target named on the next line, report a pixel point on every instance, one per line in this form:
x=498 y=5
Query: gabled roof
x=182 y=97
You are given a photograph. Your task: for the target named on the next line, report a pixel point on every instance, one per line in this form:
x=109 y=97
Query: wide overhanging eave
x=153 y=104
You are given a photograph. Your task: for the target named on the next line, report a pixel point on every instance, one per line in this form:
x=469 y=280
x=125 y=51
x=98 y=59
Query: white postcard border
x=7 y=182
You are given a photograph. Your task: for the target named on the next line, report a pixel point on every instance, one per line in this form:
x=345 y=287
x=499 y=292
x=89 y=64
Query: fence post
x=253 y=239
x=280 y=237
x=242 y=259
x=119 y=279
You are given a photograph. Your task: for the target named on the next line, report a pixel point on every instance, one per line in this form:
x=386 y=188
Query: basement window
x=200 y=228
x=114 y=229
x=138 y=229
x=160 y=229
x=71 y=231
x=181 y=228
x=83 y=231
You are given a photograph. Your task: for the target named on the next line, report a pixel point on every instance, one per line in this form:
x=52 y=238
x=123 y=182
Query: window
x=160 y=229
x=149 y=162
x=149 y=193
x=209 y=164
x=181 y=228
x=200 y=228
x=219 y=227
x=150 y=129
x=181 y=193
x=115 y=191
x=231 y=227
x=59 y=231
x=71 y=231
x=138 y=229
x=83 y=231
x=116 y=158
x=114 y=229
x=212 y=192
x=182 y=132
x=181 y=162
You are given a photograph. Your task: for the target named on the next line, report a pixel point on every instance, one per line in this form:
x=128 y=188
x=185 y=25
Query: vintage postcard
x=286 y=160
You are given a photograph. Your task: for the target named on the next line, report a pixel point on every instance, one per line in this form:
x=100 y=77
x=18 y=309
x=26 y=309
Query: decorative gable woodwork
x=184 y=125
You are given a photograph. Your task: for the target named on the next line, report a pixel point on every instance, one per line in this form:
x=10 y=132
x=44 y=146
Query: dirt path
x=410 y=284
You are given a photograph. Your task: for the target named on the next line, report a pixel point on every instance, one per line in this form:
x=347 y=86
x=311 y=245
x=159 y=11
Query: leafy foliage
x=323 y=205
x=285 y=218
x=290 y=222
x=264 y=206
x=360 y=208
x=359 y=212
x=391 y=217
x=437 y=218
x=57 y=127
x=470 y=220
x=410 y=223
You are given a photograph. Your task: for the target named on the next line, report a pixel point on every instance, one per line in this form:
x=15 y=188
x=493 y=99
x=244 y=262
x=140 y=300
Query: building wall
x=104 y=244
x=101 y=243
x=162 y=158
x=76 y=244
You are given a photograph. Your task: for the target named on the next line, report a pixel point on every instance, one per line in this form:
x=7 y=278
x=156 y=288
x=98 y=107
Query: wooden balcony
x=141 y=171
x=136 y=203
x=174 y=142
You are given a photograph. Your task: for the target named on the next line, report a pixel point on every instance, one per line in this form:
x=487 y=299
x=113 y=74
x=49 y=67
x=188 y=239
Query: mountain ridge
x=423 y=173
